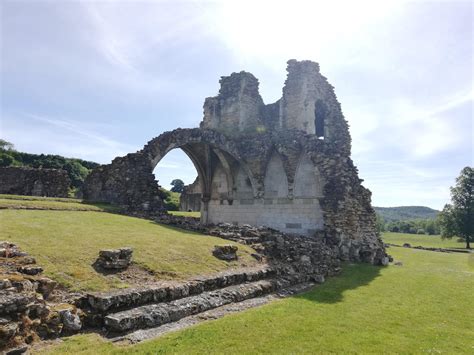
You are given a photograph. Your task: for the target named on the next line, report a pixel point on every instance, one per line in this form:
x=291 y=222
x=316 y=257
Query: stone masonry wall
x=34 y=182
x=190 y=198
x=284 y=165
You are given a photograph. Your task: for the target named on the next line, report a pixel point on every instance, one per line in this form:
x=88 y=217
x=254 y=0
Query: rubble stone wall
x=34 y=182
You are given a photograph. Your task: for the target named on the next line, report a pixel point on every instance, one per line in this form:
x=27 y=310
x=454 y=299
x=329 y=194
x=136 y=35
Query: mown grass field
x=66 y=244
x=49 y=203
x=433 y=241
x=422 y=307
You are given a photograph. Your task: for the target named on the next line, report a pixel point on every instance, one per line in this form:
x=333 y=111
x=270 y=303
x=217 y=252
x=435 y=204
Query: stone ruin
x=34 y=182
x=284 y=165
x=190 y=198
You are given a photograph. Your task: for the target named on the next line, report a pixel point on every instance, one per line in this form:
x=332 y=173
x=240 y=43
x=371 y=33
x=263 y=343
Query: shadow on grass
x=353 y=276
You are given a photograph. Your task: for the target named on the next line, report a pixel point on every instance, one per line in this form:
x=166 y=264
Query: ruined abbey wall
x=190 y=198
x=285 y=165
x=34 y=182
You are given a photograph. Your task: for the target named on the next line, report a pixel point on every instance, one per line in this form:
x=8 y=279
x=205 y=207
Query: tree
x=178 y=185
x=4 y=145
x=457 y=218
x=379 y=223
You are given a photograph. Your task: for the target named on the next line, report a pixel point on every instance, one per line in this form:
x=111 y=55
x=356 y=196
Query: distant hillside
x=405 y=213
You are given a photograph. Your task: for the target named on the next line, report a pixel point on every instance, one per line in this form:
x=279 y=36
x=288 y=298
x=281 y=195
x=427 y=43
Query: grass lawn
x=433 y=241
x=196 y=214
x=51 y=203
x=38 y=198
x=66 y=243
x=424 y=306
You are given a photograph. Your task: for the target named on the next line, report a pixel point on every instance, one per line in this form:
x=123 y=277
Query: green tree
x=457 y=218
x=6 y=159
x=5 y=145
x=379 y=223
x=178 y=185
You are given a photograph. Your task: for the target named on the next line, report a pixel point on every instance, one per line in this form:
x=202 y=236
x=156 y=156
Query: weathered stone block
x=225 y=252
x=115 y=258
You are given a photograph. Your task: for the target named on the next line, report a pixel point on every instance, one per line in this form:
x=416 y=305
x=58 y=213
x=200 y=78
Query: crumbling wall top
x=308 y=104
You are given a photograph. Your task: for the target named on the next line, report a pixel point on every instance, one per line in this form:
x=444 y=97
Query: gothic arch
x=276 y=180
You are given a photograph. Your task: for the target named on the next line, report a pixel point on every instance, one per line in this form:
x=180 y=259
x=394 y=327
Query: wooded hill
x=405 y=213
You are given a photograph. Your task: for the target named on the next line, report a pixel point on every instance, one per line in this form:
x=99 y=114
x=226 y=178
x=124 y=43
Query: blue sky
x=96 y=80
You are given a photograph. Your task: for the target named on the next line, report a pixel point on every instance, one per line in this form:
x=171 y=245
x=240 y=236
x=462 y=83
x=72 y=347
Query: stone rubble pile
x=28 y=310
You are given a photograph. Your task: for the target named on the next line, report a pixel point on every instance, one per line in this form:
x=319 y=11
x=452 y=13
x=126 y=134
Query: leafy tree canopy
x=77 y=169
x=5 y=145
x=178 y=185
x=457 y=218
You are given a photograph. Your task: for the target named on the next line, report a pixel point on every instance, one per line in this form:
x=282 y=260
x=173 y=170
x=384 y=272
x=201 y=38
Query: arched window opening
x=320 y=114
x=176 y=165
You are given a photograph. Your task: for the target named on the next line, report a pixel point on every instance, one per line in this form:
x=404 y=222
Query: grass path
x=424 y=306
x=66 y=243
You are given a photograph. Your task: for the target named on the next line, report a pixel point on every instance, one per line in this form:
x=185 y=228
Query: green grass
x=424 y=306
x=433 y=241
x=196 y=214
x=52 y=203
x=66 y=243
x=38 y=198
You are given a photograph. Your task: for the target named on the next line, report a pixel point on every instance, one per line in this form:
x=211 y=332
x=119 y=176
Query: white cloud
x=424 y=131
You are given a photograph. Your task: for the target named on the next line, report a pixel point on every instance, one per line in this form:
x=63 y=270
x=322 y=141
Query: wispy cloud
x=46 y=134
x=77 y=129
x=402 y=71
x=430 y=130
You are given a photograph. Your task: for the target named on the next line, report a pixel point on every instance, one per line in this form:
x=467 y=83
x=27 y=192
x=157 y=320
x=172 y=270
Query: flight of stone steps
x=128 y=310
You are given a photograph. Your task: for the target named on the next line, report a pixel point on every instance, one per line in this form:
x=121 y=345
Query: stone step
x=154 y=315
x=128 y=298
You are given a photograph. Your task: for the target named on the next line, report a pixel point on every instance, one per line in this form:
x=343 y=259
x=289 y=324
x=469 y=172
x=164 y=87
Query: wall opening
x=320 y=114
x=177 y=165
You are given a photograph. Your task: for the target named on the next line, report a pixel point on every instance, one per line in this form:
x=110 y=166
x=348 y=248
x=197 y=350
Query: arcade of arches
x=285 y=165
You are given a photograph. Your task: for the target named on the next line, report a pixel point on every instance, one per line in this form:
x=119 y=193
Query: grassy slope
x=424 y=306
x=38 y=198
x=51 y=203
x=433 y=241
x=66 y=243
x=196 y=214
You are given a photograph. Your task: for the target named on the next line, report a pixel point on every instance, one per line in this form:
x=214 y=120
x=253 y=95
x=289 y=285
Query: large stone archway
x=129 y=181
x=285 y=165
